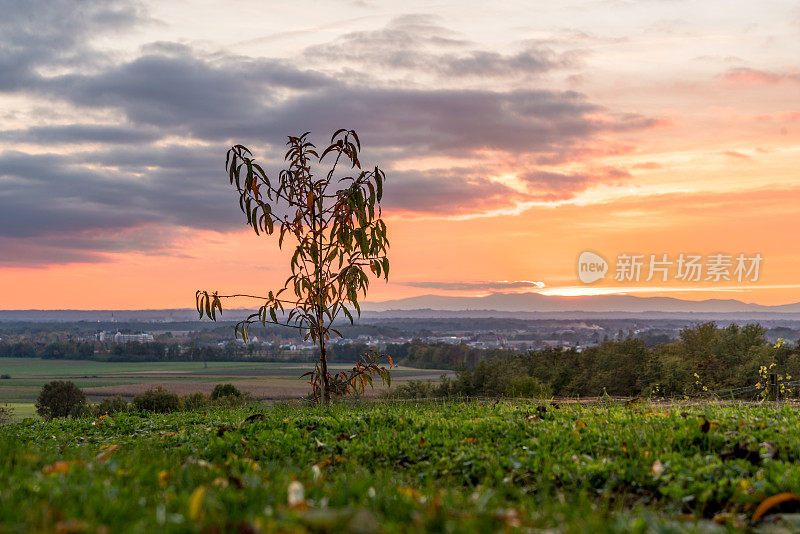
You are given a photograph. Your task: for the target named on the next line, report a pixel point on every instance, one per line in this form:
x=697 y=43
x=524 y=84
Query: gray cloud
x=125 y=190
x=447 y=191
x=43 y=33
x=220 y=100
x=92 y=245
x=186 y=95
x=82 y=133
x=416 y=43
x=179 y=92
x=555 y=186
x=47 y=194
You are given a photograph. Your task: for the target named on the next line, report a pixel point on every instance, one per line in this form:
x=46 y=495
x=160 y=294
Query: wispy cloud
x=748 y=75
x=497 y=285
x=417 y=43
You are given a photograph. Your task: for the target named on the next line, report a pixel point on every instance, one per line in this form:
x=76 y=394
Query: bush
x=157 y=400
x=5 y=377
x=225 y=390
x=111 y=405
x=60 y=399
x=424 y=389
x=193 y=401
x=527 y=386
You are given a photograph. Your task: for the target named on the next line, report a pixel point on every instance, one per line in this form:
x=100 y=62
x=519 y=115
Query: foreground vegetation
x=402 y=467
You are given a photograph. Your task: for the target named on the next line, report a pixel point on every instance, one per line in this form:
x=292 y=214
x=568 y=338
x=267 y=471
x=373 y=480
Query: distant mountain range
x=535 y=302
x=531 y=305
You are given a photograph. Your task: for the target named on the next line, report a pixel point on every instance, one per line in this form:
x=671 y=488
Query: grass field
x=101 y=379
x=406 y=467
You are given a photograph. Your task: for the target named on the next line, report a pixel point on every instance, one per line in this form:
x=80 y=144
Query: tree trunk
x=323 y=360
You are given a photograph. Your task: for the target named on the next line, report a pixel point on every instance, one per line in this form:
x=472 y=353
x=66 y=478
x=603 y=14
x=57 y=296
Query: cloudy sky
x=514 y=136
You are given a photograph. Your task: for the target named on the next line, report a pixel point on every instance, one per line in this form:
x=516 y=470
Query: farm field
x=408 y=467
x=102 y=379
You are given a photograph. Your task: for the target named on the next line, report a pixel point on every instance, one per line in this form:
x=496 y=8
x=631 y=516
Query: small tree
x=335 y=220
x=59 y=399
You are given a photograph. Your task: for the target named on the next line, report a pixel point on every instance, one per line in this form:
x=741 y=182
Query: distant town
x=420 y=341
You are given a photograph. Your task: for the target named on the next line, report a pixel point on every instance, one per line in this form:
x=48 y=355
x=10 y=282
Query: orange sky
x=684 y=138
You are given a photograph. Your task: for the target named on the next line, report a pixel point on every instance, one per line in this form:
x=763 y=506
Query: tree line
x=705 y=359
x=145 y=352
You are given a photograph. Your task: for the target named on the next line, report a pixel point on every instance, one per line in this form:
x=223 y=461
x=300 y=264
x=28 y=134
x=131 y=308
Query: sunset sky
x=514 y=136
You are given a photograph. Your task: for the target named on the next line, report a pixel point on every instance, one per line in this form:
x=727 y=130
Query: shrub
x=111 y=405
x=60 y=399
x=157 y=400
x=193 y=401
x=5 y=377
x=424 y=389
x=527 y=386
x=225 y=390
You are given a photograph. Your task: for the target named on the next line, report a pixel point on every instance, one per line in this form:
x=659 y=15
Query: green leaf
x=348 y=314
x=362 y=241
x=199 y=303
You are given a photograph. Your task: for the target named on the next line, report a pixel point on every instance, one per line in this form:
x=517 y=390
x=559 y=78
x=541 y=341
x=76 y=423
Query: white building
x=119 y=337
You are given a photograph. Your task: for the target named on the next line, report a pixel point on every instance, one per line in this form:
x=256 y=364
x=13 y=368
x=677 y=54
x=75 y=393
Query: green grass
x=21 y=410
x=34 y=367
x=404 y=467
x=28 y=367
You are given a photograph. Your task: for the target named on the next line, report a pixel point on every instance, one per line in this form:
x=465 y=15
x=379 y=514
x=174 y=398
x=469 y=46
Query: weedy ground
x=405 y=467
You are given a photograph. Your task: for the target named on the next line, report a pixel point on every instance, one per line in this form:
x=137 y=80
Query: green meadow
x=408 y=467
x=271 y=380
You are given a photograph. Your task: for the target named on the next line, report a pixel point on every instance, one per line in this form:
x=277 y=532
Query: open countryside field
x=408 y=467
x=102 y=379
